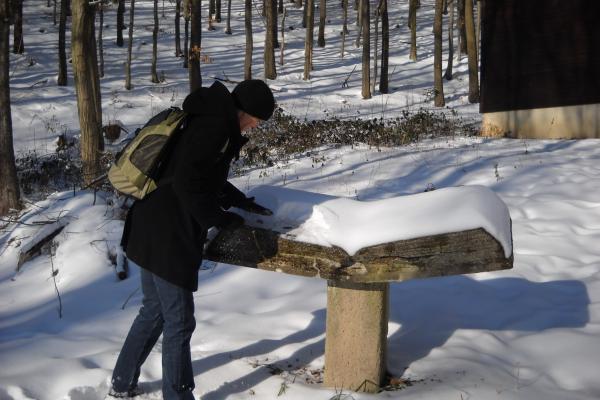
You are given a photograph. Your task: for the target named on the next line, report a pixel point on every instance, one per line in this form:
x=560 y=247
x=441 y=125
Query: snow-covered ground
x=532 y=332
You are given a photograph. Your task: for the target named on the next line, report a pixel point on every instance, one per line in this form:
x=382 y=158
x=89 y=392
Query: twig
x=40 y=82
x=345 y=83
x=54 y=273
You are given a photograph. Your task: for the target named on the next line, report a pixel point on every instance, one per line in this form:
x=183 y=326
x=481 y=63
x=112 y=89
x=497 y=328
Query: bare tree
x=195 y=45
x=228 y=27
x=177 y=28
x=375 y=48
x=100 y=42
x=366 y=53
x=385 y=46
x=186 y=38
x=471 y=53
x=62 y=52
x=249 y=41
x=309 y=6
x=120 y=22
x=129 y=46
x=9 y=186
x=218 y=11
x=345 y=26
x=153 y=73
x=269 y=53
x=462 y=33
x=18 y=44
x=437 y=55
x=448 y=74
x=87 y=86
x=322 y=19
x=282 y=36
x=412 y=24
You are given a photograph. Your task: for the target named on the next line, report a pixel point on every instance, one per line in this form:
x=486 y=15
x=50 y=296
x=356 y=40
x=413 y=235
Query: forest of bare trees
x=372 y=18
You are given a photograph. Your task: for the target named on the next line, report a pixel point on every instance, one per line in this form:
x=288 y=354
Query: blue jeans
x=166 y=309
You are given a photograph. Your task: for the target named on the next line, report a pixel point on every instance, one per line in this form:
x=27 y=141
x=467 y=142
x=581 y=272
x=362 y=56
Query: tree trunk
x=282 y=36
x=186 y=37
x=9 y=186
x=375 y=48
x=54 y=12
x=274 y=27
x=358 y=19
x=345 y=10
x=211 y=13
x=62 y=51
x=18 y=44
x=177 y=28
x=298 y=3
x=438 y=86
x=448 y=74
x=462 y=33
x=120 y=22
x=269 y=53
x=153 y=73
x=322 y=19
x=128 y=85
x=87 y=86
x=218 y=11
x=471 y=53
x=249 y=40
x=309 y=6
x=412 y=24
x=100 y=42
x=366 y=54
x=280 y=9
x=195 y=45
x=304 y=13
x=385 y=47
x=228 y=28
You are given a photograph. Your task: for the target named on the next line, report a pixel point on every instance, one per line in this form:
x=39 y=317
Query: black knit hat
x=254 y=97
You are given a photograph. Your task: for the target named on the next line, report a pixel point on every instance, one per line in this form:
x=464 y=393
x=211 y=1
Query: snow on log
x=34 y=245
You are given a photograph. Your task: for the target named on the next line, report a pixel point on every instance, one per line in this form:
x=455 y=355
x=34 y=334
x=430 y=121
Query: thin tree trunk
x=478 y=30
x=282 y=36
x=437 y=55
x=412 y=24
x=471 y=53
x=298 y=3
x=153 y=73
x=375 y=48
x=120 y=22
x=249 y=40
x=128 y=85
x=269 y=53
x=195 y=45
x=62 y=51
x=87 y=86
x=18 y=44
x=186 y=40
x=358 y=19
x=322 y=19
x=448 y=74
x=9 y=186
x=211 y=13
x=366 y=54
x=54 y=12
x=309 y=6
x=100 y=42
x=304 y=13
x=385 y=47
x=462 y=33
x=177 y=28
x=218 y=11
x=345 y=10
x=280 y=9
x=228 y=28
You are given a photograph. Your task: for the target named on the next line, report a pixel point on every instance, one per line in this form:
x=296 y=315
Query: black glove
x=230 y=220
x=252 y=207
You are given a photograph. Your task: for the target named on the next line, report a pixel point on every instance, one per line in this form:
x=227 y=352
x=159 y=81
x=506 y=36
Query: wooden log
x=439 y=255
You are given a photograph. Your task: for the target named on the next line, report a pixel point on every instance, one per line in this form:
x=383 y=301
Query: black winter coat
x=165 y=232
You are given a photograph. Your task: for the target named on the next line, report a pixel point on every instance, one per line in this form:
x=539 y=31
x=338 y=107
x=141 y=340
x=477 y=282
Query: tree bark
x=195 y=45
x=412 y=24
x=153 y=73
x=218 y=11
x=375 y=48
x=282 y=47
x=472 y=53
x=128 y=85
x=366 y=53
x=87 y=86
x=228 y=27
x=62 y=51
x=100 y=42
x=322 y=20
x=385 y=47
x=280 y=8
x=211 y=13
x=462 y=33
x=177 y=28
x=249 y=40
x=120 y=22
x=448 y=74
x=269 y=53
x=345 y=11
x=18 y=44
x=438 y=86
x=186 y=37
x=9 y=185
x=305 y=13
x=309 y=6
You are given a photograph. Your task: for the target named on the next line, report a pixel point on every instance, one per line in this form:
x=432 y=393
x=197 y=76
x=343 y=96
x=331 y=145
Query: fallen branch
x=33 y=247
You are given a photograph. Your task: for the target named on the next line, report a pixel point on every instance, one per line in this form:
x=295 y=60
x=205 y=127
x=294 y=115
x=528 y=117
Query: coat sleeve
x=194 y=178
x=231 y=196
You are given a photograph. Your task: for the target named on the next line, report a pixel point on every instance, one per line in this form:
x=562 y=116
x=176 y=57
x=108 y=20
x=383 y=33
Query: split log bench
x=358 y=285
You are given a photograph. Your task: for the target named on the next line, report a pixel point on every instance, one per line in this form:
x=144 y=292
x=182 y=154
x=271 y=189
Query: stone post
x=356 y=335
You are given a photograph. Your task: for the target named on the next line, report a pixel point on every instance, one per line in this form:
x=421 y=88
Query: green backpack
x=136 y=168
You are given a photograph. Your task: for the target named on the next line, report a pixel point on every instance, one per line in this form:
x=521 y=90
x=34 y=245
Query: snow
x=353 y=225
x=532 y=332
